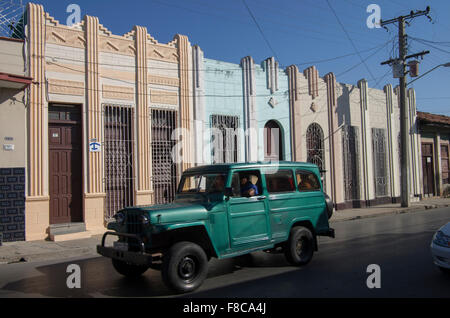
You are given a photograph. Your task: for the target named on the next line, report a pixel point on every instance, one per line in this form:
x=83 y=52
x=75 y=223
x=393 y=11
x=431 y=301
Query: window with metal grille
x=350 y=162
x=164 y=169
x=315 y=147
x=118 y=156
x=444 y=164
x=379 y=160
x=224 y=138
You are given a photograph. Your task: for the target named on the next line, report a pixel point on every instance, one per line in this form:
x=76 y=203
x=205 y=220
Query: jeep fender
x=195 y=232
x=306 y=222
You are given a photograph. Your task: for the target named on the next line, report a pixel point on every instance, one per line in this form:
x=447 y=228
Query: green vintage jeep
x=223 y=210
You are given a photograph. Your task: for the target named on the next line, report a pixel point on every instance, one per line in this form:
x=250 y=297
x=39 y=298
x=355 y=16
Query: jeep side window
x=280 y=181
x=307 y=181
x=246 y=183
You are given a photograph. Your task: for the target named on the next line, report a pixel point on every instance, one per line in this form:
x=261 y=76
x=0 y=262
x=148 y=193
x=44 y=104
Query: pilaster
x=143 y=193
x=250 y=123
x=37 y=217
x=294 y=110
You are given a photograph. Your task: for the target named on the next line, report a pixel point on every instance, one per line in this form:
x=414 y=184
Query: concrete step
x=70 y=236
x=67 y=228
x=68 y=231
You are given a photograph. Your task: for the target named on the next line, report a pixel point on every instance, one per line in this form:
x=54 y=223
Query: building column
x=335 y=142
x=37 y=206
x=367 y=160
x=199 y=104
x=250 y=123
x=94 y=194
x=144 y=192
x=294 y=111
x=390 y=139
x=186 y=109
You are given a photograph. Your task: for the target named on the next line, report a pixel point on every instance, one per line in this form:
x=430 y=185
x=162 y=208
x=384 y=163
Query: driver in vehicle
x=248 y=189
x=219 y=183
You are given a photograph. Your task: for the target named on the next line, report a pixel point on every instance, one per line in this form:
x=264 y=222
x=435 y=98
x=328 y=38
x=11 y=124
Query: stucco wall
x=223 y=96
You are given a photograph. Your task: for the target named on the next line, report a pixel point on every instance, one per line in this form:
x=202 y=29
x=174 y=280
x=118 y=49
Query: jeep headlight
x=145 y=219
x=441 y=239
x=120 y=218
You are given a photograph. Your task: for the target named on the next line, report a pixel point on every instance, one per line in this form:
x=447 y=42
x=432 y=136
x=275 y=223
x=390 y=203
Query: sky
x=331 y=34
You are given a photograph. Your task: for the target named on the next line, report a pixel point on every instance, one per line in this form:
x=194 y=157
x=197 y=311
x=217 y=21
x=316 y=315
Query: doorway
x=65 y=163
x=428 y=170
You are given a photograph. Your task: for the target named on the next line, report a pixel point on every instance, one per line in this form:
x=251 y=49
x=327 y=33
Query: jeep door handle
x=261 y=197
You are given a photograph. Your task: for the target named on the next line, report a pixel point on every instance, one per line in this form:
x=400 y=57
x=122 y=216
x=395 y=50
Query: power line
x=350 y=39
x=260 y=30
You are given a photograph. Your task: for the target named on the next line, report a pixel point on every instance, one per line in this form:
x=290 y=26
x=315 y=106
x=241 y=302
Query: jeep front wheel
x=300 y=246
x=128 y=270
x=184 y=267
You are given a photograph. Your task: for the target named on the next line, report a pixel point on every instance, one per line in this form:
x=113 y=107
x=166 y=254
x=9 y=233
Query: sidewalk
x=379 y=210
x=15 y=252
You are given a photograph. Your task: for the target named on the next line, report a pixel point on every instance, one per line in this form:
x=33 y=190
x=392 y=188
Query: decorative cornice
x=163 y=97
x=118 y=92
x=162 y=80
x=65 y=87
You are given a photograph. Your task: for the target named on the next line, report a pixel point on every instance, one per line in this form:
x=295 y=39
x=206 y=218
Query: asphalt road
x=399 y=244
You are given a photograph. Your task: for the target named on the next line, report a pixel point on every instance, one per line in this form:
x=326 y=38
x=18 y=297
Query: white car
x=440 y=248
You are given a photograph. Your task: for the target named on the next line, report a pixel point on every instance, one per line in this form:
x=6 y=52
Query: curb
x=394 y=211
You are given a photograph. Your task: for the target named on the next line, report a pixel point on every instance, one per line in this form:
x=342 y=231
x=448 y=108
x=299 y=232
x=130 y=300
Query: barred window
x=444 y=164
x=224 y=138
x=379 y=158
x=350 y=162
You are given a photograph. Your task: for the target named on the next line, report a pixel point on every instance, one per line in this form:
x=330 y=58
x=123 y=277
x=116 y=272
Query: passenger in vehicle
x=248 y=189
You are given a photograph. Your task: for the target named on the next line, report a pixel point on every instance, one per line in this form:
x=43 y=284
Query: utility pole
x=400 y=63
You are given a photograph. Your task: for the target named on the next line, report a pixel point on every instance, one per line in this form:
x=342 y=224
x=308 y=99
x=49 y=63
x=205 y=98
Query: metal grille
x=164 y=169
x=315 y=147
x=224 y=138
x=134 y=222
x=118 y=152
x=379 y=158
x=351 y=162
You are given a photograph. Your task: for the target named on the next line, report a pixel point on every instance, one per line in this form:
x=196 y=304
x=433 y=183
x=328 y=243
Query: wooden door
x=65 y=165
x=427 y=168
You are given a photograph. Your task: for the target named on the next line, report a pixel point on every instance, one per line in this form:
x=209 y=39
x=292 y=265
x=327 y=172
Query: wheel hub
x=187 y=268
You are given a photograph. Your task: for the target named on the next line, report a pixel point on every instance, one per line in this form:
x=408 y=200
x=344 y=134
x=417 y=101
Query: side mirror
x=228 y=192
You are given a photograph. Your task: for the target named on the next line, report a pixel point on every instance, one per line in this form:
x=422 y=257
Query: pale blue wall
x=223 y=87
x=223 y=96
x=279 y=113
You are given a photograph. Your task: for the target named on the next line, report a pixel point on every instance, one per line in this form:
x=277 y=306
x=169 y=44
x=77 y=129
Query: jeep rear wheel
x=184 y=267
x=128 y=270
x=300 y=246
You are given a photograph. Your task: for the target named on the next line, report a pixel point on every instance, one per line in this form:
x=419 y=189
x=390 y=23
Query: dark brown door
x=273 y=144
x=65 y=164
x=427 y=167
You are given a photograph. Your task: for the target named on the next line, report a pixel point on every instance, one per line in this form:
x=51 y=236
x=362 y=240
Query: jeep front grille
x=134 y=223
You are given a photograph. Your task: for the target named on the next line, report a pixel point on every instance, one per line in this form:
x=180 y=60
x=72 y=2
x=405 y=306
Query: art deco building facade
x=113 y=120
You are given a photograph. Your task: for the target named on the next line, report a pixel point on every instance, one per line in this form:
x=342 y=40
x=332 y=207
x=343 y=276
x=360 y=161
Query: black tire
x=446 y=271
x=300 y=246
x=128 y=270
x=184 y=267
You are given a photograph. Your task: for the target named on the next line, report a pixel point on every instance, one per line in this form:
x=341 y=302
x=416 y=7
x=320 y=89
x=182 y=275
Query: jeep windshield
x=203 y=183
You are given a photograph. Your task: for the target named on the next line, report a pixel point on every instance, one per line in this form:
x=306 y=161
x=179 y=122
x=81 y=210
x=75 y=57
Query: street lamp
x=444 y=65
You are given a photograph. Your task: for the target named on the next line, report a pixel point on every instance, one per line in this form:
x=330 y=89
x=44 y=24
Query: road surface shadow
x=99 y=279
x=337 y=270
